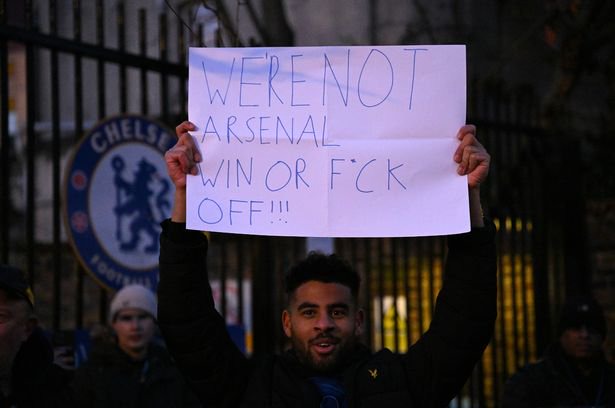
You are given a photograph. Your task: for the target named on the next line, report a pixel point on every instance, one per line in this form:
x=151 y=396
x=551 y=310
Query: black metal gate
x=61 y=73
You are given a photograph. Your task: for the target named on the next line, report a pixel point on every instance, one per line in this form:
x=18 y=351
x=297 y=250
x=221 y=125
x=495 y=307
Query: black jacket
x=429 y=375
x=111 y=379
x=554 y=382
x=36 y=381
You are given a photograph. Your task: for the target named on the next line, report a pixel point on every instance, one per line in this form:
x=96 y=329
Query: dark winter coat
x=111 y=379
x=429 y=375
x=36 y=381
x=554 y=382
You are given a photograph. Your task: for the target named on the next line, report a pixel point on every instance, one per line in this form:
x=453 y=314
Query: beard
x=324 y=364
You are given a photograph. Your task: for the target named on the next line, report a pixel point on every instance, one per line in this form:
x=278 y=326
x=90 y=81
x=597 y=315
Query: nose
x=135 y=323
x=324 y=322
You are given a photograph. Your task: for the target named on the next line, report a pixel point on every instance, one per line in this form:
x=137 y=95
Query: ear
x=286 y=323
x=359 y=318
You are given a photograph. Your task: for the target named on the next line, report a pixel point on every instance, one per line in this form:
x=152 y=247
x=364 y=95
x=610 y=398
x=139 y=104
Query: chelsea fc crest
x=116 y=194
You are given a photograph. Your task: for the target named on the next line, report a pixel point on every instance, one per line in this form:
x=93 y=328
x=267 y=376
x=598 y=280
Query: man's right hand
x=182 y=158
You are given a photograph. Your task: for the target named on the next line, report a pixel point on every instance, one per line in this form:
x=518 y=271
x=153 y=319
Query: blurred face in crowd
x=323 y=324
x=135 y=329
x=581 y=343
x=16 y=325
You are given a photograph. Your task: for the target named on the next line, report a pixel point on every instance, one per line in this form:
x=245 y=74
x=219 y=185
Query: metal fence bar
x=394 y=266
x=367 y=287
x=509 y=154
x=121 y=36
x=28 y=36
x=79 y=118
x=30 y=149
x=430 y=241
x=5 y=143
x=55 y=145
x=182 y=59
x=164 y=82
x=240 y=254
x=100 y=62
x=223 y=276
x=143 y=50
x=420 y=255
x=406 y=267
x=381 y=293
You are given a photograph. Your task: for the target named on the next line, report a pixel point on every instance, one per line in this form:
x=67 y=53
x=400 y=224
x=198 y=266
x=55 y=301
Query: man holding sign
x=327 y=366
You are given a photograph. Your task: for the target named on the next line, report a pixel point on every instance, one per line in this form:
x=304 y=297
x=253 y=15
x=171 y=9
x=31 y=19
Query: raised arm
x=462 y=325
x=194 y=331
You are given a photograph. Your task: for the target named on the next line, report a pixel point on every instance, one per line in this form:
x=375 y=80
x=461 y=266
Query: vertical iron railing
x=5 y=143
x=56 y=148
x=30 y=212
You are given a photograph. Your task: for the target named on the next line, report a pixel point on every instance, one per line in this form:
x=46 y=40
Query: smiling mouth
x=324 y=346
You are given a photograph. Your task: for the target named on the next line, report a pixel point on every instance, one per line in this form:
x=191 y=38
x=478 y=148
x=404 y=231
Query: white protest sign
x=328 y=141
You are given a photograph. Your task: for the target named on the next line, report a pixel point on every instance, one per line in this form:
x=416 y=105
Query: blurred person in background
x=134 y=370
x=28 y=376
x=573 y=372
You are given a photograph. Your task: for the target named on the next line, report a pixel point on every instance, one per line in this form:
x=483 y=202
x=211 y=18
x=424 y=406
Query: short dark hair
x=322 y=268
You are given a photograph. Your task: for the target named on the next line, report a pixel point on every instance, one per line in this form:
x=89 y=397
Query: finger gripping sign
x=328 y=141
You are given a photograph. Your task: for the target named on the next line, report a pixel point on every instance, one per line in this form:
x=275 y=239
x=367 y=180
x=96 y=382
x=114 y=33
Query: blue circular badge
x=116 y=194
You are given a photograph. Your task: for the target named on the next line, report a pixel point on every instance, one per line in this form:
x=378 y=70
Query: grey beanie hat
x=136 y=297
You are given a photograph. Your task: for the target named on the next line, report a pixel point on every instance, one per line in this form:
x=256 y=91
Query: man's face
x=135 y=329
x=323 y=324
x=581 y=342
x=15 y=327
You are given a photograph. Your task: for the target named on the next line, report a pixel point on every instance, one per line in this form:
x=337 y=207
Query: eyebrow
x=307 y=305
x=131 y=315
